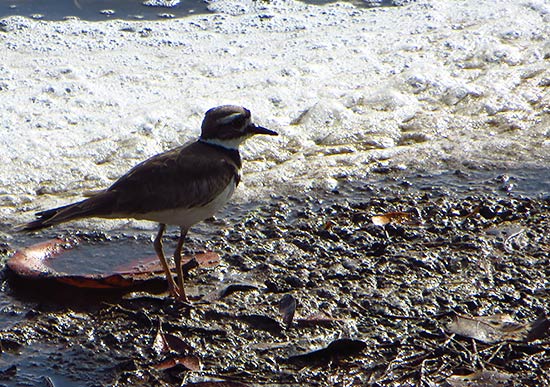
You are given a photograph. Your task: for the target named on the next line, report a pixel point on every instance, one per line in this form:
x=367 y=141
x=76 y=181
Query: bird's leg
x=172 y=287
x=177 y=260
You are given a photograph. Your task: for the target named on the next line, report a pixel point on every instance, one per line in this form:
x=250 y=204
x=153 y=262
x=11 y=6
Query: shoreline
x=448 y=87
x=477 y=254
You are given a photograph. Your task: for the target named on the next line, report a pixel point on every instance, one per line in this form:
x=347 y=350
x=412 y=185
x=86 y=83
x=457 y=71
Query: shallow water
x=96 y=10
x=37 y=367
x=531 y=183
x=100 y=257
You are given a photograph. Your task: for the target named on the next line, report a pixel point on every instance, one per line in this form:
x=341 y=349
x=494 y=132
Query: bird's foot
x=183 y=298
x=177 y=293
x=173 y=289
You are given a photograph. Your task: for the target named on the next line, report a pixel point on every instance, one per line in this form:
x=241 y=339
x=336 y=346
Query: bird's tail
x=95 y=206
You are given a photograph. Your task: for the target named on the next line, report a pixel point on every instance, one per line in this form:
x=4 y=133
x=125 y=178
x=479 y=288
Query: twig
x=498 y=348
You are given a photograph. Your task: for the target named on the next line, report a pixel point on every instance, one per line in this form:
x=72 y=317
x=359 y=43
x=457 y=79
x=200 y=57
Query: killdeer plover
x=181 y=187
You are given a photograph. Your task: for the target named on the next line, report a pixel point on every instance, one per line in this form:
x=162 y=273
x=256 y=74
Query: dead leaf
x=227 y=290
x=338 y=349
x=216 y=384
x=483 y=378
x=539 y=329
x=317 y=319
x=166 y=342
x=329 y=224
x=232 y=288
x=177 y=344
x=260 y=322
x=191 y=363
x=391 y=217
x=287 y=307
x=489 y=329
x=160 y=345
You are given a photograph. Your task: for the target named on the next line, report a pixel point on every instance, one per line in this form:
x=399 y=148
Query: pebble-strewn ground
x=379 y=300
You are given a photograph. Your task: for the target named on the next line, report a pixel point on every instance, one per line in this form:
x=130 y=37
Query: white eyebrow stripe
x=229 y=118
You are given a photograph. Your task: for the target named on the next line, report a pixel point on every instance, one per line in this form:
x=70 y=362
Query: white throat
x=231 y=143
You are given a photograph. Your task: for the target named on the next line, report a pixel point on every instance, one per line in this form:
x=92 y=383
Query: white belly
x=187 y=217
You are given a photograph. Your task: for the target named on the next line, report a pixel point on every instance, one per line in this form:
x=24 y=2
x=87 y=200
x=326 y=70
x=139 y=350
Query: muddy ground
x=380 y=305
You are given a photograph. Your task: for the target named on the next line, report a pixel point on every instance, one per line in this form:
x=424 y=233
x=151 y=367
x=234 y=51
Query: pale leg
x=172 y=287
x=177 y=260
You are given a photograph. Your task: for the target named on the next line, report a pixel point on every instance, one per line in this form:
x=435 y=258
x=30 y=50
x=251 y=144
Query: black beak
x=255 y=129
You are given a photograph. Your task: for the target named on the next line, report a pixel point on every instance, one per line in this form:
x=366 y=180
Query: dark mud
x=361 y=304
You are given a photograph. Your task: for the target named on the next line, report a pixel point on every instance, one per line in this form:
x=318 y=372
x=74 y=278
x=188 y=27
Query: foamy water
x=432 y=85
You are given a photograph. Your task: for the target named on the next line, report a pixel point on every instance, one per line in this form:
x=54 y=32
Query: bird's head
x=229 y=126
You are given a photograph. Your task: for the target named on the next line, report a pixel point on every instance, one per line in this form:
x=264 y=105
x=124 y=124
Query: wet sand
x=439 y=86
x=385 y=297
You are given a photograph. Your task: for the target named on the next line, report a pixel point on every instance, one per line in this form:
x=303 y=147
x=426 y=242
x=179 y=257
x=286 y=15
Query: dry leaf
x=261 y=322
x=160 y=345
x=489 y=329
x=216 y=384
x=227 y=290
x=338 y=349
x=391 y=217
x=177 y=344
x=317 y=319
x=482 y=378
x=287 y=307
x=166 y=342
x=191 y=363
x=230 y=289
x=329 y=224
x=539 y=329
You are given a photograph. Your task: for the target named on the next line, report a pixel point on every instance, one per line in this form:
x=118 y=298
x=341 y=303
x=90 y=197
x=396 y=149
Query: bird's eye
x=239 y=120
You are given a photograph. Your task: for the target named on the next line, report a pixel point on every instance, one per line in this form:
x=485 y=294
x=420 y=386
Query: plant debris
x=287 y=308
x=338 y=349
x=482 y=378
x=398 y=217
x=496 y=328
x=448 y=302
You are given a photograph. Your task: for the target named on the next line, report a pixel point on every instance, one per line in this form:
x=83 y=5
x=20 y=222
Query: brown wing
x=183 y=177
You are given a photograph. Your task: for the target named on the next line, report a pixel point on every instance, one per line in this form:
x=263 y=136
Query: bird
x=181 y=187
